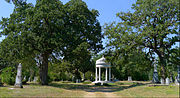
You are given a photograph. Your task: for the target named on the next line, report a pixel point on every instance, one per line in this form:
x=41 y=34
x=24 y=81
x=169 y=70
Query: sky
x=107 y=9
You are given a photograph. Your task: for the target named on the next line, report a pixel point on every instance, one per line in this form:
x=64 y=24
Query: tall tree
x=82 y=59
x=84 y=31
x=50 y=28
x=152 y=26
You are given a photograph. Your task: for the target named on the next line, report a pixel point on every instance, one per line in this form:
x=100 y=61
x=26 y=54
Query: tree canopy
x=151 y=27
x=48 y=29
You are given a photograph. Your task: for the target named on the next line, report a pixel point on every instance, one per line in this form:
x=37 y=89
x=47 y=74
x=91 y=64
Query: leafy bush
x=89 y=76
x=8 y=75
x=58 y=72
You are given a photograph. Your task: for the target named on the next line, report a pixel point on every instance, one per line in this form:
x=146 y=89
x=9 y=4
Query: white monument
x=19 y=77
x=129 y=78
x=162 y=81
x=100 y=63
x=167 y=81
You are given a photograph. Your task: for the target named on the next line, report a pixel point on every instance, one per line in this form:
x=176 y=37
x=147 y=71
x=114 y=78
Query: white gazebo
x=100 y=63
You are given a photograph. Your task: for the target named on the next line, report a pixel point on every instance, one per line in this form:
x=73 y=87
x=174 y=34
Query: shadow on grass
x=95 y=88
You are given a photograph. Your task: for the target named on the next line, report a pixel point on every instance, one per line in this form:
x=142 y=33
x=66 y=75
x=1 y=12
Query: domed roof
x=101 y=62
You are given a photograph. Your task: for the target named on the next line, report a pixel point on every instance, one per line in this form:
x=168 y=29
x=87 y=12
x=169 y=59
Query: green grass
x=136 y=89
x=35 y=90
x=87 y=82
x=68 y=89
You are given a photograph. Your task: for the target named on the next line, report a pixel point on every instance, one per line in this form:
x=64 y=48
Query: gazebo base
x=102 y=82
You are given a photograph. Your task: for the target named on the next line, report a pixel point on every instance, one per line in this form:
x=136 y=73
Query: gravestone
x=35 y=79
x=129 y=78
x=171 y=79
x=24 y=78
x=176 y=81
x=78 y=81
x=91 y=78
x=18 y=82
x=178 y=76
x=29 y=79
x=155 y=73
x=162 y=81
x=167 y=81
x=73 y=78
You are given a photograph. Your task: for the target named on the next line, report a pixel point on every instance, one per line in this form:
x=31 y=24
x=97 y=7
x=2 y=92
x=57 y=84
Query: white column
x=99 y=73
x=109 y=74
x=96 y=74
x=106 y=74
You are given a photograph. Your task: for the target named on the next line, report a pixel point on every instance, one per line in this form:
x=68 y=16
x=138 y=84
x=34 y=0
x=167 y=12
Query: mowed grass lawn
x=66 y=89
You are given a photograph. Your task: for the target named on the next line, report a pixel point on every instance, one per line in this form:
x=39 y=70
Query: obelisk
x=18 y=82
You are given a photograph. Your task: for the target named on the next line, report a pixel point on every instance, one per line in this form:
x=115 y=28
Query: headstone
x=18 y=82
x=162 y=81
x=24 y=78
x=35 y=79
x=129 y=78
x=176 y=81
x=78 y=81
x=91 y=78
x=29 y=80
x=167 y=81
x=83 y=78
x=171 y=79
x=73 y=79
x=155 y=73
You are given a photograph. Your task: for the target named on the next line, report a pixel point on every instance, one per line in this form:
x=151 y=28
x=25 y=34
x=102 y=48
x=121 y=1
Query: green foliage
x=29 y=70
x=81 y=60
x=59 y=71
x=49 y=30
x=151 y=27
x=89 y=76
x=4 y=63
x=8 y=75
x=129 y=63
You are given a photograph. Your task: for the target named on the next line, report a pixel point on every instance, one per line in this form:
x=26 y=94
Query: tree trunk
x=44 y=69
x=77 y=74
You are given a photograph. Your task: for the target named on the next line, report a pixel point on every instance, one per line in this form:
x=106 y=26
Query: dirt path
x=110 y=95
x=90 y=94
x=100 y=94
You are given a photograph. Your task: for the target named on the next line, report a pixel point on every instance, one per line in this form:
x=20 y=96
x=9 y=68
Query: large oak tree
x=151 y=26
x=49 y=29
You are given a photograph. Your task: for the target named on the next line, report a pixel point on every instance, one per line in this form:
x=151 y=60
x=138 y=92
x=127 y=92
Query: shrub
x=8 y=75
x=89 y=76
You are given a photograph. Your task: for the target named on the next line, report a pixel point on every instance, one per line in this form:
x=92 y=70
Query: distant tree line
x=57 y=41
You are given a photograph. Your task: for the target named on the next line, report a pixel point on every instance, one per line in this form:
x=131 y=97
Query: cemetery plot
x=69 y=89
